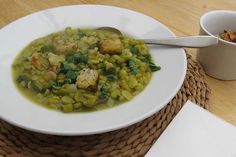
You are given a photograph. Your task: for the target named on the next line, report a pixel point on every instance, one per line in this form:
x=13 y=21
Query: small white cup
x=218 y=61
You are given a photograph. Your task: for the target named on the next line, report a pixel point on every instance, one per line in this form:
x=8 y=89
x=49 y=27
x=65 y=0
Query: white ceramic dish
x=18 y=110
x=218 y=61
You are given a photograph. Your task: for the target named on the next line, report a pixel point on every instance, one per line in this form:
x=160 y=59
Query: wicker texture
x=133 y=141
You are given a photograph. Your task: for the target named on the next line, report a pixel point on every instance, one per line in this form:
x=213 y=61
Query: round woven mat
x=132 y=141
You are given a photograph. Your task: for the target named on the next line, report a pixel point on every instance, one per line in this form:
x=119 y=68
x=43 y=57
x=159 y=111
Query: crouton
x=66 y=49
x=232 y=36
x=110 y=46
x=87 y=79
x=228 y=36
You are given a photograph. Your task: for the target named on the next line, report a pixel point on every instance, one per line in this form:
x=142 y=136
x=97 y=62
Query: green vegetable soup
x=83 y=70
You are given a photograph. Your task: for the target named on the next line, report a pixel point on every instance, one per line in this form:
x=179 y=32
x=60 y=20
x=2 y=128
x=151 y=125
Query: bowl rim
x=148 y=114
x=202 y=18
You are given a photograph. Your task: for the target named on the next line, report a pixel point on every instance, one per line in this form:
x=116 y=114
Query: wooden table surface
x=181 y=16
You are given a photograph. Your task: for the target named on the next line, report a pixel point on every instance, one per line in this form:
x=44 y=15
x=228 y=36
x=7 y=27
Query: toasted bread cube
x=87 y=78
x=232 y=36
x=110 y=46
x=66 y=49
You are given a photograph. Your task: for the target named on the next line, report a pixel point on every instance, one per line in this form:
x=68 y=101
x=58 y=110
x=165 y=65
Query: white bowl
x=219 y=61
x=18 y=110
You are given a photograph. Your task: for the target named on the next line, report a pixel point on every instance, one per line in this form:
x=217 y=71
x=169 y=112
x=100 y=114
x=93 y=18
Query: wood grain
x=181 y=16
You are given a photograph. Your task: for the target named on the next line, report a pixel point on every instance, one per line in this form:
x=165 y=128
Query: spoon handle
x=190 y=41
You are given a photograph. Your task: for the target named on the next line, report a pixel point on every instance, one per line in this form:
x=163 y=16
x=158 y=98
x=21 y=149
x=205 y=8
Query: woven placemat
x=132 y=141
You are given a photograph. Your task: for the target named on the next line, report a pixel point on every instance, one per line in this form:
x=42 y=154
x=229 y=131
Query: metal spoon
x=188 y=41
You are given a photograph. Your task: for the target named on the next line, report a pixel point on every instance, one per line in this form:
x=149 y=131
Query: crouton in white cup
x=218 y=61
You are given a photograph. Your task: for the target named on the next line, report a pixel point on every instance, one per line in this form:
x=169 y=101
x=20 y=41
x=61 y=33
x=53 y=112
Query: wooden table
x=181 y=16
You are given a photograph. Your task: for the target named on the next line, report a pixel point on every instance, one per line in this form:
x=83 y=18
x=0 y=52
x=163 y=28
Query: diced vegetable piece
x=126 y=94
x=53 y=100
x=50 y=75
x=67 y=108
x=82 y=59
x=53 y=85
x=132 y=82
x=70 y=88
x=139 y=87
x=37 y=87
x=110 y=73
x=77 y=105
x=134 y=50
x=77 y=58
x=52 y=106
x=104 y=90
x=68 y=81
x=126 y=54
x=91 y=99
x=123 y=73
x=72 y=74
x=153 y=67
x=111 y=77
x=146 y=58
x=55 y=60
x=67 y=100
x=65 y=67
x=115 y=94
x=132 y=66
